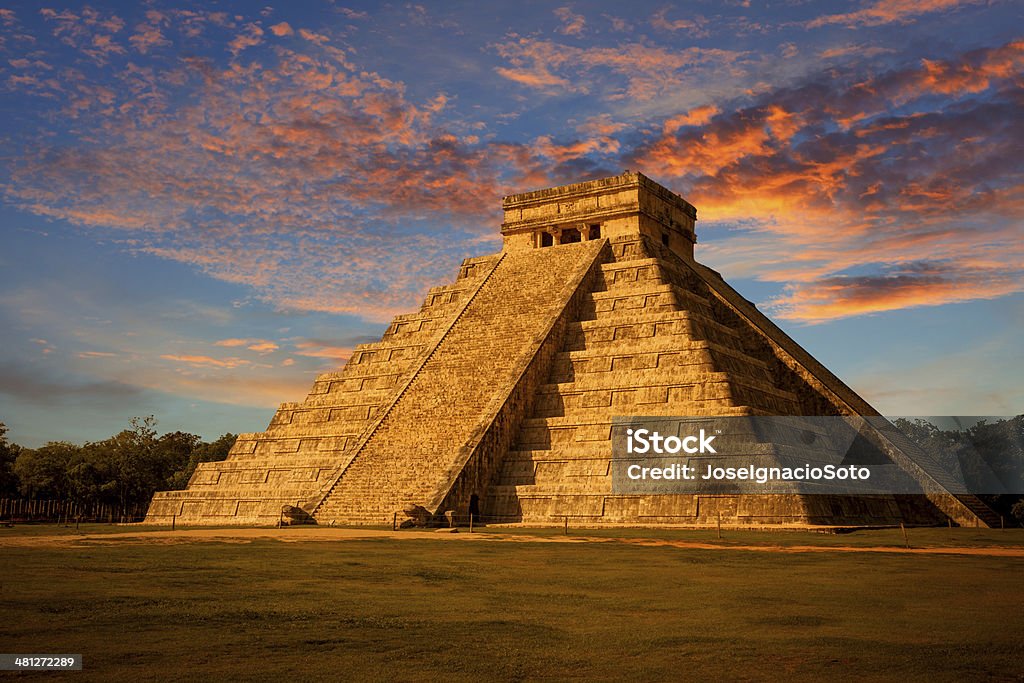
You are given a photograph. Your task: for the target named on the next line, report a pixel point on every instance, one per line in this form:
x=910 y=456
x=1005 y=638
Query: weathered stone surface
x=418 y=515
x=503 y=386
x=291 y=515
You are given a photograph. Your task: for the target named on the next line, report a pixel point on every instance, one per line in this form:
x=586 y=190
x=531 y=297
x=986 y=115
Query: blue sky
x=205 y=205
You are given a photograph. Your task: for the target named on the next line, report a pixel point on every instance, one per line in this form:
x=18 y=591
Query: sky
x=204 y=205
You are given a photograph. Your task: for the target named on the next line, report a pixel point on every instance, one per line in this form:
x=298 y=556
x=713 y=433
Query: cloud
x=638 y=71
x=891 y=11
x=251 y=36
x=698 y=116
x=90 y=31
x=692 y=26
x=26 y=384
x=572 y=23
x=258 y=345
x=263 y=346
x=205 y=360
x=299 y=172
x=929 y=284
x=351 y=13
x=262 y=173
x=618 y=23
x=281 y=29
x=857 y=50
x=231 y=343
x=866 y=194
x=600 y=125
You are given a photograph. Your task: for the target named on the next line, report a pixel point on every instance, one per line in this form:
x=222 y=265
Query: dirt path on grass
x=11 y=539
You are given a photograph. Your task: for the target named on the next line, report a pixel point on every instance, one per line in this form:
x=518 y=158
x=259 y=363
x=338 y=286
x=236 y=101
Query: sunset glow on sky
x=206 y=204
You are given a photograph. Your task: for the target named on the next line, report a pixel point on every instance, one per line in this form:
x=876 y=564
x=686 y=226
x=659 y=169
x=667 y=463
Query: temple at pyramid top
x=627 y=204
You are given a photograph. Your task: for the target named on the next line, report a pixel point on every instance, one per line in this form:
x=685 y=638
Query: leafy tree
x=130 y=458
x=8 y=455
x=123 y=471
x=43 y=472
x=174 y=451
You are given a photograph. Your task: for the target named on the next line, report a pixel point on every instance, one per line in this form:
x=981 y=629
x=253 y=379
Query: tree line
x=121 y=472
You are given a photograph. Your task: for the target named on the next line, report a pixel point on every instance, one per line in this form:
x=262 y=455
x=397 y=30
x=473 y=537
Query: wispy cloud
x=693 y=26
x=572 y=23
x=634 y=70
x=890 y=11
x=205 y=360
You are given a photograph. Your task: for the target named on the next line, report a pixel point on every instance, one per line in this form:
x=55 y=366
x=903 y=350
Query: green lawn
x=445 y=609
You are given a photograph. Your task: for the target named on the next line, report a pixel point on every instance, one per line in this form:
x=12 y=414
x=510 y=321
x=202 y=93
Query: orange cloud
x=251 y=36
x=601 y=125
x=697 y=116
x=231 y=342
x=882 y=193
x=890 y=11
x=841 y=297
x=206 y=360
x=282 y=29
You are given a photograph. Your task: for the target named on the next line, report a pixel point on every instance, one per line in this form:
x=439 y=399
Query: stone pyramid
x=504 y=385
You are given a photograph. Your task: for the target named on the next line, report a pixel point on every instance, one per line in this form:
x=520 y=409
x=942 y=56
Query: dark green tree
x=8 y=455
x=127 y=461
x=43 y=472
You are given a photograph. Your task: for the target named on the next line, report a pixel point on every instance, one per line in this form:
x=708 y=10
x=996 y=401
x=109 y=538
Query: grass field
x=440 y=608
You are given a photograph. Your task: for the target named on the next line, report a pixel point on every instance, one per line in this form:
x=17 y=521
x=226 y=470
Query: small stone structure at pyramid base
x=497 y=397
